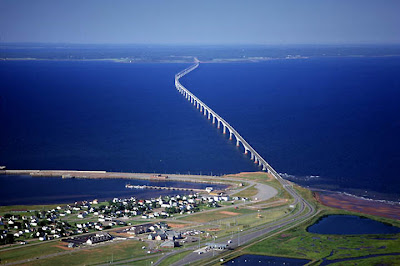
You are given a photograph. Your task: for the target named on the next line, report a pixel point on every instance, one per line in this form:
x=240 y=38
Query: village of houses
x=83 y=223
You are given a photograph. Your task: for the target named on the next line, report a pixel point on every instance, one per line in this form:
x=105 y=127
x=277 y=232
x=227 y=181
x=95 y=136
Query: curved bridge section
x=216 y=119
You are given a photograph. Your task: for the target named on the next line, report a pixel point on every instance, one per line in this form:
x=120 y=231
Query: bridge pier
x=220 y=121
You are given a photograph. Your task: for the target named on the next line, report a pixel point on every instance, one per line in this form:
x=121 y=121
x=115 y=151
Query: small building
x=217 y=246
x=141 y=229
x=88 y=239
x=161 y=236
x=172 y=235
x=169 y=244
x=98 y=238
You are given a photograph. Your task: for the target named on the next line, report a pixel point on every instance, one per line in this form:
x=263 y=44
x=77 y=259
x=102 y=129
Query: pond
x=249 y=259
x=350 y=225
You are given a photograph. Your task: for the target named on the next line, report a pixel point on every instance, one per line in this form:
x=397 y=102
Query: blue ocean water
x=328 y=122
x=105 y=116
x=20 y=189
x=333 y=122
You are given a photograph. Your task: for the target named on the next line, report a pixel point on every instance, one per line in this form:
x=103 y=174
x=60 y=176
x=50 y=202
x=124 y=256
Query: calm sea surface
x=332 y=123
x=19 y=189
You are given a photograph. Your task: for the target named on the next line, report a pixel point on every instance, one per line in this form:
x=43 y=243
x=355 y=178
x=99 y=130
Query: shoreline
x=333 y=199
x=109 y=175
x=184 y=61
x=359 y=205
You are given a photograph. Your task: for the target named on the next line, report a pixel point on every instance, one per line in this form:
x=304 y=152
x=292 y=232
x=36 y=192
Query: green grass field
x=216 y=215
x=22 y=209
x=247 y=193
x=174 y=258
x=30 y=251
x=299 y=243
x=100 y=254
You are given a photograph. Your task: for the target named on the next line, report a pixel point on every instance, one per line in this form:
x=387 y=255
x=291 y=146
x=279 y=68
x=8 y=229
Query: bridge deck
x=196 y=101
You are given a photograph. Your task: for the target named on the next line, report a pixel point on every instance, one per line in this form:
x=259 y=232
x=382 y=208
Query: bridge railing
x=246 y=145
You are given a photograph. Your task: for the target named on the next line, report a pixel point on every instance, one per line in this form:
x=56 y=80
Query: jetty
x=197 y=190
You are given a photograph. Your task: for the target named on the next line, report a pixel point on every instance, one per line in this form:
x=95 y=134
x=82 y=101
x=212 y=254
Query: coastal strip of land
x=263 y=192
x=105 y=174
x=330 y=199
x=354 y=204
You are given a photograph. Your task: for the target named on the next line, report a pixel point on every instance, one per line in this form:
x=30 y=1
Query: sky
x=201 y=22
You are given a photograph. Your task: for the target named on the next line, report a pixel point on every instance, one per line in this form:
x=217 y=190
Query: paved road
x=254 y=233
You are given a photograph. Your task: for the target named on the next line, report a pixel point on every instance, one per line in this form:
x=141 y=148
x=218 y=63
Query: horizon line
x=201 y=44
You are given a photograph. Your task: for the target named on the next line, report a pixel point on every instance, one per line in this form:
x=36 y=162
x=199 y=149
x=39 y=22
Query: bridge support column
x=209 y=115
x=246 y=151
x=201 y=108
x=230 y=135
x=205 y=112
x=255 y=160
x=237 y=143
x=259 y=163
x=265 y=168
x=213 y=119
x=198 y=105
x=251 y=156
x=218 y=126
x=224 y=130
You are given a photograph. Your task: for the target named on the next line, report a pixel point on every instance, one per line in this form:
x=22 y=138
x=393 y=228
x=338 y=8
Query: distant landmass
x=185 y=53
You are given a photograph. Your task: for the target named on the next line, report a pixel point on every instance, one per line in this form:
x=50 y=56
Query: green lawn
x=174 y=258
x=29 y=251
x=301 y=244
x=216 y=215
x=247 y=193
x=23 y=208
x=101 y=254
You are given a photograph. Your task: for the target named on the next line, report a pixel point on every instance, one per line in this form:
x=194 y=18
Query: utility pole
x=238 y=237
x=214 y=246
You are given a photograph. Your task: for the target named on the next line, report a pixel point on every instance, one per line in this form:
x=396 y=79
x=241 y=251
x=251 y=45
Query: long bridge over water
x=217 y=119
